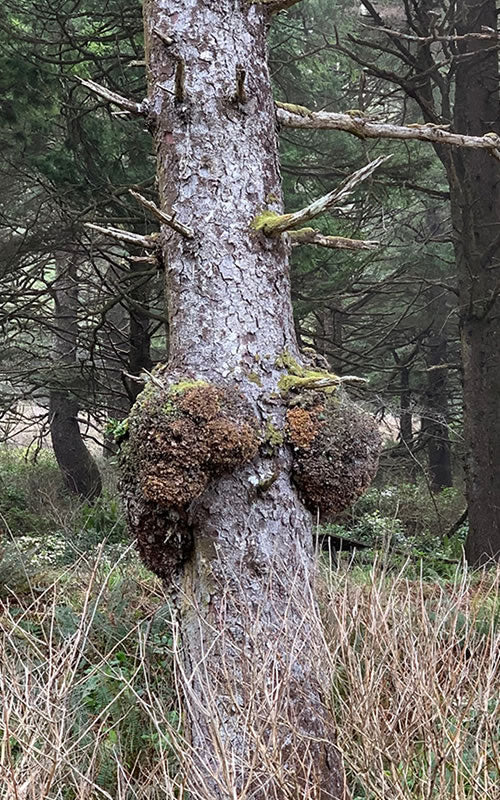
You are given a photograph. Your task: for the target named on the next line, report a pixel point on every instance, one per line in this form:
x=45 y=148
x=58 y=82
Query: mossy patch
x=182 y=437
x=254 y=378
x=272 y=435
x=300 y=379
x=336 y=447
x=267 y=221
x=293 y=108
x=182 y=386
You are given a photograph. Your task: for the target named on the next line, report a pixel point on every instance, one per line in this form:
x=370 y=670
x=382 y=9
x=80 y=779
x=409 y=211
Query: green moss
x=267 y=221
x=272 y=435
x=117 y=428
x=254 y=378
x=323 y=381
x=182 y=386
x=299 y=378
x=295 y=109
x=286 y=361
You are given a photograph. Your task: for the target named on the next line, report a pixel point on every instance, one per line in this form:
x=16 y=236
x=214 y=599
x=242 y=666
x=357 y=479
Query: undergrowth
x=87 y=676
x=89 y=660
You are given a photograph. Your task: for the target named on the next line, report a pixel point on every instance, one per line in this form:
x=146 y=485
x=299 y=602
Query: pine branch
x=165 y=219
x=311 y=236
x=274 y=224
x=137 y=109
x=365 y=128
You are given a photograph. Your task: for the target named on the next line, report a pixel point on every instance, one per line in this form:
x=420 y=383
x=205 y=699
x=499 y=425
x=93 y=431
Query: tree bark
x=253 y=649
x=140 y=336
x=475 y=199
x=79 y=469
x=436 y=423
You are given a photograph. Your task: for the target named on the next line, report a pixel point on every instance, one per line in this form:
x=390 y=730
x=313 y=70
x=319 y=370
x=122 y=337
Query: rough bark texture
x=241 y=551
x=475 y=198
x=436 y=398
x=77 y=465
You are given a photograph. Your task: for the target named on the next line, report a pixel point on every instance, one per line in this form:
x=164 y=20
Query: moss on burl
x=336 y=448
x=183 y=436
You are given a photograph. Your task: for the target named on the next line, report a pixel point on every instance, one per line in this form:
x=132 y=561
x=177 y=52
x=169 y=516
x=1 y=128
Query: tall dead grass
x=415 y=690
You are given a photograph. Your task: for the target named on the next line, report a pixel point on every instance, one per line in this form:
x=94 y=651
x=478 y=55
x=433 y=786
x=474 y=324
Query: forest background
x=83 y=321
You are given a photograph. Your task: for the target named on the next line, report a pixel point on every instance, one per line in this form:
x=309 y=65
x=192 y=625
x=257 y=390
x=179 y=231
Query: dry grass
x=417 y=687
x=87 y=684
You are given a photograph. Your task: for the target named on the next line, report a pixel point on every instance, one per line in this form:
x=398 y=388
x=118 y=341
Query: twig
x=311 y=236
x=138 y=109
x=149 y=242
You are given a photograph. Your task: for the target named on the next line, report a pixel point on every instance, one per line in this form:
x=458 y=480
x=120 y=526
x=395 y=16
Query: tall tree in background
x=475 y=202
x=77 y=465
x=444 y=59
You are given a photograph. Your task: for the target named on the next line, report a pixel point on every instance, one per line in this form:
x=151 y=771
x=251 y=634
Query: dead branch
x=435 y=36
x=274 y=225
x=149 y=242
x=137 y=109
x=366 y=128
x=311 y=236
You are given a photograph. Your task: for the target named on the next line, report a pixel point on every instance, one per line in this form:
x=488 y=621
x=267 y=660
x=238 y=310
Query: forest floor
x=89 y=652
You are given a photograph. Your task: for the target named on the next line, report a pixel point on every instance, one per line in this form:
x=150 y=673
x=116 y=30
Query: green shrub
x=29 y=491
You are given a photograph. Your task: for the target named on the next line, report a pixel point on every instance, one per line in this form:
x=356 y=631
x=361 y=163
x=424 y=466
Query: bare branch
x=311 y=236
x=435 y=37
x=366 y=128
x=149 y=242
x=138 y=109
x=274 y=224
x=165 y=219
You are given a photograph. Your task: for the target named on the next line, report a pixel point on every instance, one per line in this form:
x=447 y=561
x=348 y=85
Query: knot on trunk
x=336 y=447
x=183 y=436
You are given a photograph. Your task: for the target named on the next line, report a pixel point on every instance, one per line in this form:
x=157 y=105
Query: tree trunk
x=475 y=197
x=140 y=324
x=77 y=465
x=239 y=549
x=436 y=425
x=437 y=411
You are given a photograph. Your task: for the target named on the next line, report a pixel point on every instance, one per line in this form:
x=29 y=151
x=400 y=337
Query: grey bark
x=79 y=469
x=252 y=641
x=475 y=200
x=436 y=396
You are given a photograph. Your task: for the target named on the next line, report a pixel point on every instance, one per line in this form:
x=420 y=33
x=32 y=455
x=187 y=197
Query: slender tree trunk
x=77 y=465
x=253 y=647
x=140 y=325
x=436 y=426
x=437 y=410
x=475 y=197
x=405 y=415
x=115 y=348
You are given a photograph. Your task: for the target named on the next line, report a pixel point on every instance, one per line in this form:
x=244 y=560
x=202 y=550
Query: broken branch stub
x=161 y=216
